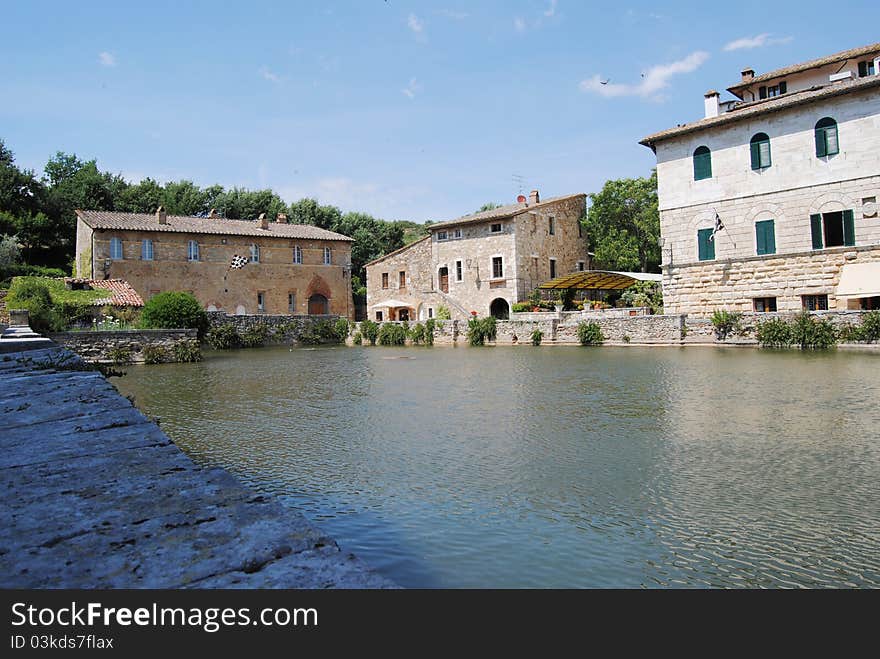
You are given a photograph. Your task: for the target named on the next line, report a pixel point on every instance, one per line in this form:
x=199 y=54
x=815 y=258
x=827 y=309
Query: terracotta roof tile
x=121 y=292
x=501 y=212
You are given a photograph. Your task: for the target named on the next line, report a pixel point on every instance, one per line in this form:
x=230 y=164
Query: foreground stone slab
x=95 y=495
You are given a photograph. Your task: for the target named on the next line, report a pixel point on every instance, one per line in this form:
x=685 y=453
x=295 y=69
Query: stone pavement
x=95 y=495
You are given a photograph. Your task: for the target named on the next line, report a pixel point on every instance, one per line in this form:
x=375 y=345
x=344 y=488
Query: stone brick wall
x=283 y=329
x=99 y=346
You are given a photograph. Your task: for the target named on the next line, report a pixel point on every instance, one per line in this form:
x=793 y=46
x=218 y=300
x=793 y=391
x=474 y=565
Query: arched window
x=702 y=163
x=826 y=137
x=760 y=151
x=193 y=251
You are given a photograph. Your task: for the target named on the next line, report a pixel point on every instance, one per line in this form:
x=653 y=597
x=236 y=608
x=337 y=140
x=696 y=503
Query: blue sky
x=406 y=110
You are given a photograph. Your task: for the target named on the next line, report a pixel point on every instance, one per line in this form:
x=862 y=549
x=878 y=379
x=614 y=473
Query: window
x=773 y=90
x=384 y=280
x=702 y=163
x=255 y=253
x=116 y=249
x=430 y=312
x=495 y=228
x=291 y=302
x=765 y=237
x=760 y=147
x=402 y=279
x=826 y=137
x=833 y=229
x=458 y=271
x=581 y=266
x=441 y=235
x=379 y=316
x=866 y=69
x=765 y=304
x=815 y=302
x=497 y=267
x=705 y=245
x=552 y=268
x=192 y=251
x=327 y=256
x=146 y=250
x=261 y=301
x=456 y=233
x=297 y=254
x=551 y=225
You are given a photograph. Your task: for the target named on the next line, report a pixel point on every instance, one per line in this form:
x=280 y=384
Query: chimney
x=534 y=197
x=747 y=75
x=212 y=213
x=264 y=221
x=713 y=104
x=161 y=215
x=281 y=218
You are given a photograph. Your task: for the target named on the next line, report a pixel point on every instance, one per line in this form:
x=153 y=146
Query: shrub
x=626 y=338
x=370 y=331
x=155 y=354
x=481 y=330
x=810 y=332
x=521 y=307
x=33 y=294
x=255 y=336
x=319 y=331
x=187 y=351
x=119 y=355
x=774 y=333
x=590 y=334
x=567 y=298
x=342 y=329
x=417 y=334
x=174 y=310
x=850 y=333
x=871 y=326
x=643 y=294
x=391 y=334
x=443 y=313
x=430 y=324
x=357 y=339
x=536 y=337
x=224 y=337
x=535 y=298
x=725 y=323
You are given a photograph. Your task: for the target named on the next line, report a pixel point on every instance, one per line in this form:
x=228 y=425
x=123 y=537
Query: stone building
x=290 y=269
x=770 y=201
x=483 y=262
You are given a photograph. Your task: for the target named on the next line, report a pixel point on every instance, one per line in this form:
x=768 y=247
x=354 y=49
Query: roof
x=121 y=292
x=397 y=251
x=806 y=66
x=744 y=111
x=599 y=279
x=501 y=212
x=217 y=226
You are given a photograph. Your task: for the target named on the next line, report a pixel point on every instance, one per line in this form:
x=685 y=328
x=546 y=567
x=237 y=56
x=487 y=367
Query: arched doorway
x=499 y=308
x=318 y=305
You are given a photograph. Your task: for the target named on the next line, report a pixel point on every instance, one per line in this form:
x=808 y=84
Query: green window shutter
x=756 y=155
x=702 y=166
x=849 y=229
x=820 y=142
x=770 y=236
x=863 y=69
x=783 y=87
x=760 y=240
x=765 y=235
x=816 y=229
x=706 y=247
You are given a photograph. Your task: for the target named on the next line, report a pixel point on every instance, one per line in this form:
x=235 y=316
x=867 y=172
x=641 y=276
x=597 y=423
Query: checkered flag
x=238 y=262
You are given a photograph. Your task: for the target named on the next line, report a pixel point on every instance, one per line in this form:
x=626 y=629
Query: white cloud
x=759 y=40
x=266 y=74
x=412 y=89
x=454 y=15
x=415 y=25
x=519 y=24
x=106 y=59
x=551 y=10
x=653 y=80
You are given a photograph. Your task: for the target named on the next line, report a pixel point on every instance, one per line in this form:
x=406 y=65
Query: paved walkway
x=95 y=495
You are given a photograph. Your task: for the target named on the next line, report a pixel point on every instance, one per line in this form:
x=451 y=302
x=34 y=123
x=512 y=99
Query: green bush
x=319 y=331
x=224 y=337
x=590 y=334
x=871 y=326
x=417 y=334
x=357 y=339
x=430 y=324
x=155 y=354
x=774 y=333
x=811 y=332
x=567 y=298
x=33 y=294
x=643 y=294
x=255 y=336
x=187 y=351
x=370 y=331
x=537 y=336
x=174 y=310
x=119 y=355
x=481 y=330
x=342 y=329
x=850 y=333
x=521 y=307
x=726 y=323
x=392 y=334
x=443 y=313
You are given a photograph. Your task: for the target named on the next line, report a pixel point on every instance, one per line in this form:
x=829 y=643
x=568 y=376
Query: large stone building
x=483 y=262
x=291 y=268
x=789 y=174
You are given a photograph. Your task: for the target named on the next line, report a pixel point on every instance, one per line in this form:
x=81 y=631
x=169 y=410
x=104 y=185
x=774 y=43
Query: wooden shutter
x=816 y=229
x=821 y=150
x=770 y=236
x=705 y=247
x=863 y=69
x=756 y=155
x=764 y=151
x=831 y=146
x=702 y=166
x=849 y=228
x=783 y=87
x=762 y=92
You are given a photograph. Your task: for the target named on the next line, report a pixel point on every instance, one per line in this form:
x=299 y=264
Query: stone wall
x=282 y=329
x=108 y=346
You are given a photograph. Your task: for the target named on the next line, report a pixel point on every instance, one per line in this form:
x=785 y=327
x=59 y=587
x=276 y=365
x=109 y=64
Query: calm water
x=553 y=467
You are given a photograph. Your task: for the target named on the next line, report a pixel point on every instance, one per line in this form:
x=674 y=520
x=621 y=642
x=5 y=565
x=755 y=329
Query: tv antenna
x=520 y=181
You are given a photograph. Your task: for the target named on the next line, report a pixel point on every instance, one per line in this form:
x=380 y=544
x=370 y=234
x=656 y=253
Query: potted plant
x=558 y=302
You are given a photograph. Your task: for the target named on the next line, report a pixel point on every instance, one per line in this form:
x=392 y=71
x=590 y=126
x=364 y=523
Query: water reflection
x=553 y=466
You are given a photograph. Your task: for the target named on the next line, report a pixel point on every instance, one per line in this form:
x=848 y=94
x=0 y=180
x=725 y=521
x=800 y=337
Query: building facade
x=290 y=268
x=483 y=262
x=770 y=201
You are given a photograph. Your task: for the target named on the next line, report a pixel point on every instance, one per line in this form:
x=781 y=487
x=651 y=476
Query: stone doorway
x=500 y=309
x=318 y=305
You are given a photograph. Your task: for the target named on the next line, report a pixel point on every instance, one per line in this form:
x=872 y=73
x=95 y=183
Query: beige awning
x=599 y=279
x=859 y=280
x=391 y=304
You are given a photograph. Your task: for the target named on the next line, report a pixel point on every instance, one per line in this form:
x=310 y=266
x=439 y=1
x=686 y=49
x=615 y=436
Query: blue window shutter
x=849 y=228
x=816 y=229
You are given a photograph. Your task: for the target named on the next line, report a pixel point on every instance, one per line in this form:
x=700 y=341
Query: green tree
x=488 y=206
x=623 y=225
x=186 y=198
x=143 y=197
x=309 y=211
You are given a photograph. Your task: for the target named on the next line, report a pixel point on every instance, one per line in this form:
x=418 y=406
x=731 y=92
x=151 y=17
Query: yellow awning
x=859 y=280
x=600 y=280
x=392 y=304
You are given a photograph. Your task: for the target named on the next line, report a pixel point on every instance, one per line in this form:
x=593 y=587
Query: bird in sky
x=604 y=82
